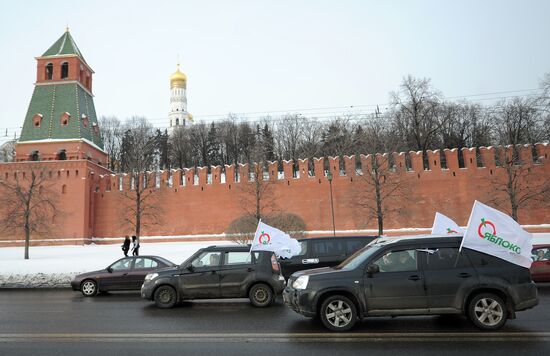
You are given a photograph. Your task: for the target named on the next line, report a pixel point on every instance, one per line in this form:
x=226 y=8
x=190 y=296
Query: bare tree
x=241 y=230
x=337 y=140
x=198 y=134
x=229 y=133
x=256 y=197
x=545 y=86
x=518 y=121
x=519 y=185
x=416 y=112
x=311 y=139
x=29 y=204
x=139 y=153
x=544 y=102
x=465 y=125
x=112 y=133
x=290 y=131
x=143 y=203
x=7 y=151
x=380 y=190
x=247 y=143
x=180 y=147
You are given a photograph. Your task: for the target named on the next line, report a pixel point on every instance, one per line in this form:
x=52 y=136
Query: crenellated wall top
x=469 y=159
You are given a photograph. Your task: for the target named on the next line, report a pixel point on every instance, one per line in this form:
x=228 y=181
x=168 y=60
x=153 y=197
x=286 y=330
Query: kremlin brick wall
x=192 y=203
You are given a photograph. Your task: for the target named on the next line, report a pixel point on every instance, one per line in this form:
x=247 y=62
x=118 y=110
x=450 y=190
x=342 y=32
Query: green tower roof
x=53 y=101
x=65 y=45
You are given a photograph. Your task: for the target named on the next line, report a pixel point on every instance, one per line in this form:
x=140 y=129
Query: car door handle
x=125 y=274
x=213 y=272
x=307 y=261
x=414 y=278
x=250 y=269
x=464 y=275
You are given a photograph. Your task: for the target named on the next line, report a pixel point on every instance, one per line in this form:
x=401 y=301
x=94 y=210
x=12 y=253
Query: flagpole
x=467 y=225
x=252 y=242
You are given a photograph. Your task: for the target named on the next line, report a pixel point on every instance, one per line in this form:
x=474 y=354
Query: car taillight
x=274 y=264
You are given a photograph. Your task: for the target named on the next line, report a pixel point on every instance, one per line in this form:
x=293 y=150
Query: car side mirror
x=110 y=269
x=372 y=269
x=190 y=268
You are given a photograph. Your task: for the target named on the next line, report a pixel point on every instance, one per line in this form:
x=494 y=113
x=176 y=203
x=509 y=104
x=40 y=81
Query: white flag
x=497 y=234
x=445 y=226
x=268 y=238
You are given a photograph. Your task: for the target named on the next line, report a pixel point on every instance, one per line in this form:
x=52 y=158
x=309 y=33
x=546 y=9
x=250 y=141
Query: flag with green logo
x=497 y=234
x=268 y=238
x=445 y=226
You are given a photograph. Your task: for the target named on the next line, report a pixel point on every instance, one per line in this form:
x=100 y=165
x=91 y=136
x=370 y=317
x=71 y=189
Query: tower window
x=49 y=71
x=34 y=156
x=95 y=128
x=65 y=119
x=88 y=81
x=85 y=120
x=62 y=155
x=64 y=70
x=37 y=120
x=177 y=122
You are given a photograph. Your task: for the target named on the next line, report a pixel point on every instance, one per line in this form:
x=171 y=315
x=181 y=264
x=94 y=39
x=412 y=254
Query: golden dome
x=189 y=117
x=178 y=79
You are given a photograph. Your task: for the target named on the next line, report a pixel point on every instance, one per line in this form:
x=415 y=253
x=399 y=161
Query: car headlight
x=151 y=276
x=301 y=282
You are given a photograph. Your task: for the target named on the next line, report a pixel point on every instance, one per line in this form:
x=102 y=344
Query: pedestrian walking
x=135 y=249
x=126 y=245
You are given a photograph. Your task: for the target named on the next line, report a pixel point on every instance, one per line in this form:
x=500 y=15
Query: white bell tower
x=178 y=115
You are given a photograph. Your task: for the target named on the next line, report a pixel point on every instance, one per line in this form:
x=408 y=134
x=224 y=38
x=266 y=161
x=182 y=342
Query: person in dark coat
x=135 y=249
x=126 y=245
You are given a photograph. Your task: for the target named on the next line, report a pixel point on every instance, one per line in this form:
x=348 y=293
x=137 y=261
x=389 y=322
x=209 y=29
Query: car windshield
x=358 y=257
x=186 y=263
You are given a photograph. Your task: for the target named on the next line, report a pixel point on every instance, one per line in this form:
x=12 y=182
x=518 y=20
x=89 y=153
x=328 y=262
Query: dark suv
x=217 y=272
x=319 y=252
x=418 y=275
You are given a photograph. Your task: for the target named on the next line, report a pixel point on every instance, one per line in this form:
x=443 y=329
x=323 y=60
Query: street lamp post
x=329 y=177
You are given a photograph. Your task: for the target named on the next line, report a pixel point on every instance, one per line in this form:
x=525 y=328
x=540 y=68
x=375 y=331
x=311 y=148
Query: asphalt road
x=62 y=322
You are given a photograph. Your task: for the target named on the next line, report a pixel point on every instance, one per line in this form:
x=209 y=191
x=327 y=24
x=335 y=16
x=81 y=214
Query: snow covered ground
x=54 y=266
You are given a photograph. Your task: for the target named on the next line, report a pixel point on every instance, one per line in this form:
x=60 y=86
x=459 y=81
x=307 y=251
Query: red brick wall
x=95 y=203
x=208 y=208
x=75 y=206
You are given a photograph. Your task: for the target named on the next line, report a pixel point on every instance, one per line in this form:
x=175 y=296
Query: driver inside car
x=214 y=260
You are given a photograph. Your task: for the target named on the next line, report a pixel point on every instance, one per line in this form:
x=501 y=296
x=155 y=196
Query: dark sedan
x=125 y=274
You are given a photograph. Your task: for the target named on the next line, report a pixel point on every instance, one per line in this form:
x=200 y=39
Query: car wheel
x=338 y=313
x=261 y=295
x=165 y=297
x=88 y=288
x=487 y=311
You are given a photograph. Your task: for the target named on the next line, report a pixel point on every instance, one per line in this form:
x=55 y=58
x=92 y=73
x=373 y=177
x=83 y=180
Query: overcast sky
x=275 y=56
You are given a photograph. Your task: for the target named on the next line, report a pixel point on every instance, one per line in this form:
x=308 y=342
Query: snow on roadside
x=55 y=266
